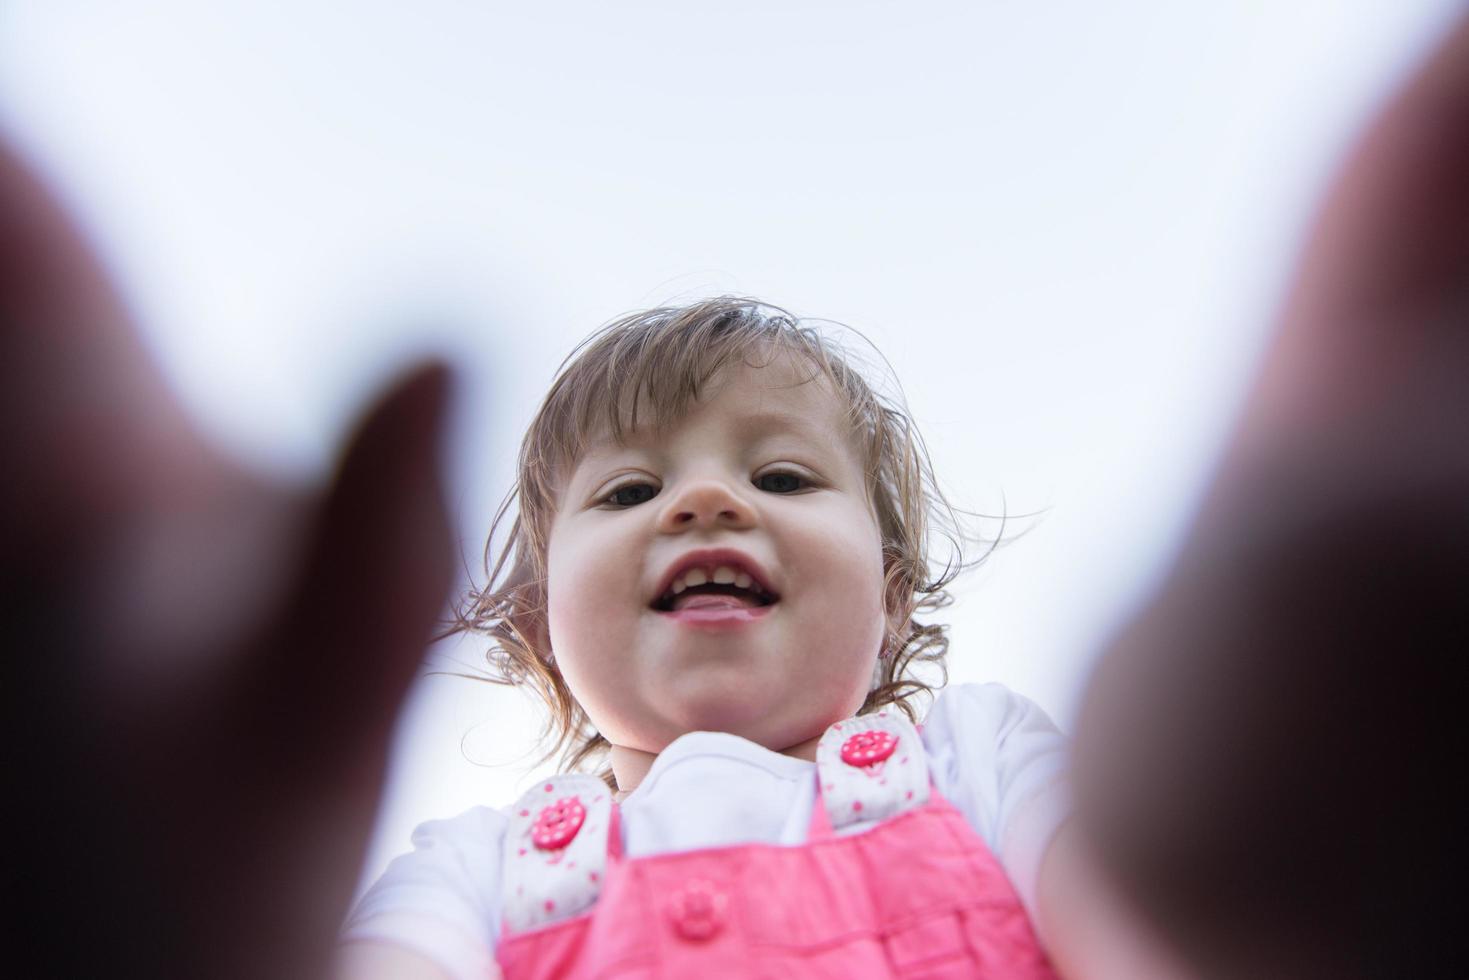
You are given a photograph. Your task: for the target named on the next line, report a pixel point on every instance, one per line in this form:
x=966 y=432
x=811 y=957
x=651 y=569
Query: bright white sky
x=1066 y=224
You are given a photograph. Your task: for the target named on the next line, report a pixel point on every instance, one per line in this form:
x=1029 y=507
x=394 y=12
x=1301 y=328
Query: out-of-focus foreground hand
x=1269 y=753
x=202 y=668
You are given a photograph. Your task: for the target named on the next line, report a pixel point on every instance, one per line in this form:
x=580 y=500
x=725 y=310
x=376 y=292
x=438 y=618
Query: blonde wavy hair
x=645 y=369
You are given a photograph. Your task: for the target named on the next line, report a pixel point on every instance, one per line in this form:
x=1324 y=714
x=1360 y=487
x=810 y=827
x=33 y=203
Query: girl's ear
x=541 y=636
x=530 y=620
x=539 y=632
x=896 y=614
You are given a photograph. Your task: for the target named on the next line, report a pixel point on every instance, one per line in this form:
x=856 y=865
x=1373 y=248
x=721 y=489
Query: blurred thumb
x=319 y=695
x=374 y=576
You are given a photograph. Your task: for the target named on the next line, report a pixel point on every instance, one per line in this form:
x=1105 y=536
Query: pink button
x=698 y=910
x=558 y=824
x=869 y=747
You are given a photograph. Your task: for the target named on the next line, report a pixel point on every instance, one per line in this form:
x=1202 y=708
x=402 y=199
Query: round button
x=558 y=824
x=869 y=747
x=698 y=910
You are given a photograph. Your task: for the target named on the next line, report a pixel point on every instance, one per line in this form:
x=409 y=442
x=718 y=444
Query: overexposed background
x=1066 y=225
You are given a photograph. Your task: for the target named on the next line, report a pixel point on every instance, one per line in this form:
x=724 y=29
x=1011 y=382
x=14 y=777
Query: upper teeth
x=720 y=575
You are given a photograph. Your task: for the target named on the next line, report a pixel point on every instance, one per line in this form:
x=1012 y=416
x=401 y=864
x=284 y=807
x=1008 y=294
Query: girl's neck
x=629 y=765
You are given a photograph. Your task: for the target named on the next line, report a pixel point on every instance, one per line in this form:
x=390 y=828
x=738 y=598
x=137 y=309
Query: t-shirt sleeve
x=442 y=899
x=998 y=758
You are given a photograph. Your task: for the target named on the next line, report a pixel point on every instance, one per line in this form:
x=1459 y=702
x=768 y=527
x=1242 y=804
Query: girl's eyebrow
x=762 y=423
x=751 y=424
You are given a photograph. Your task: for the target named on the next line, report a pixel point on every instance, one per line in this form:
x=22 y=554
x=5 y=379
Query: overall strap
x=869 y=769
x=556 y=850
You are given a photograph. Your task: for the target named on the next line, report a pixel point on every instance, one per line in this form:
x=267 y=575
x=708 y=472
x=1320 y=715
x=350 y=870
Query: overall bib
x=891 y=882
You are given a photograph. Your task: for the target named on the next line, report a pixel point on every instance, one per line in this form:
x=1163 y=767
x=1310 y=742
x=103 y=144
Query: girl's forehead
x=759 y=400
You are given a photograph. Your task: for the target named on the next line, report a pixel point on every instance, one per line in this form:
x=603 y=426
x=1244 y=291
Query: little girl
x=1261 y=755
x=721 y=548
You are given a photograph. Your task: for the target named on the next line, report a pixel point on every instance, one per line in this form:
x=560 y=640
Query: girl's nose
x=705 y=503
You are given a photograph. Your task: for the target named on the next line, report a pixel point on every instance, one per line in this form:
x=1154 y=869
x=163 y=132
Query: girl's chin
x=719 y=702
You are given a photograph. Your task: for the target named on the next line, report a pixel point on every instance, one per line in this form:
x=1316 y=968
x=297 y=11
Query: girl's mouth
x=718 y=612
x=712 y=597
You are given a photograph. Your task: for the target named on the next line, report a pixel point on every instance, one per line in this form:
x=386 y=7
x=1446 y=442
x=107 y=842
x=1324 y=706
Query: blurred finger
x=1378 y=318
x=375 y=576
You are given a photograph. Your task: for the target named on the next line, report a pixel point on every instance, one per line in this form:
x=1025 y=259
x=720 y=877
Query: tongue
x=712 y=600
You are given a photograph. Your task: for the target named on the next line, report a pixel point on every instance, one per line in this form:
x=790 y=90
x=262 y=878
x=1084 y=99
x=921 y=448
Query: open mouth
x=715 y=595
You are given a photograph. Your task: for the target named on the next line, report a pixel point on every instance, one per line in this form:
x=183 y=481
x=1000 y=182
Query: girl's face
x=759 y=478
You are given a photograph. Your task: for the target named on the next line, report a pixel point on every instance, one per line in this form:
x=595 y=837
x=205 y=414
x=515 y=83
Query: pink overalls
x=892 y=882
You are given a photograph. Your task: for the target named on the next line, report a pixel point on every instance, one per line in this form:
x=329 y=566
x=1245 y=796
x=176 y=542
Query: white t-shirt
x=992 y=753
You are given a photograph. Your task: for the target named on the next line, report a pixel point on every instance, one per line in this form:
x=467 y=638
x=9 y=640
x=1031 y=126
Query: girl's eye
x=632 y=494
x=780 y=482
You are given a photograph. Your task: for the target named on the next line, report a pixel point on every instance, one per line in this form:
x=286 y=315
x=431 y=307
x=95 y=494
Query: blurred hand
x=203 y=667
x=1265 y=754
